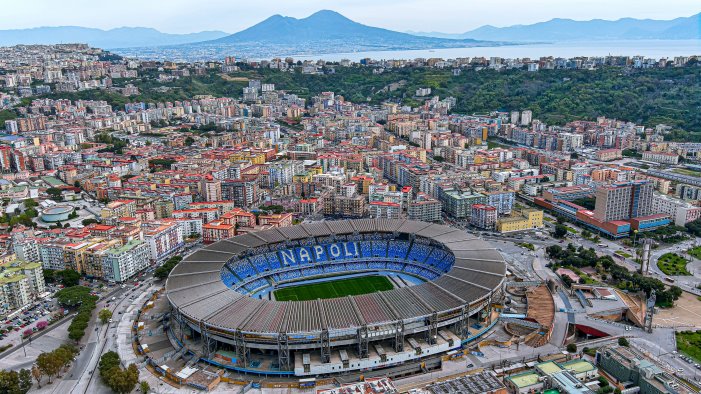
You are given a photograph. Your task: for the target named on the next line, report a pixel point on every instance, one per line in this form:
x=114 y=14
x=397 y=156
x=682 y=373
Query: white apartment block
x=123 y=262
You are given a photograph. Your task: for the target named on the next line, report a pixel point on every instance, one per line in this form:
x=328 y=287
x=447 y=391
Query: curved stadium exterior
x=221 y=297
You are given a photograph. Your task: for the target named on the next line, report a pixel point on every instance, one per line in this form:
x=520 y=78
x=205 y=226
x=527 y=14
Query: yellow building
x=520 y=220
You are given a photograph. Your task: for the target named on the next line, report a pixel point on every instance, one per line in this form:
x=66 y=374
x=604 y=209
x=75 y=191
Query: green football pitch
x=334 y=288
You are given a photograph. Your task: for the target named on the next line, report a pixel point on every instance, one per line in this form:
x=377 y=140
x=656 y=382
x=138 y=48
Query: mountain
x=330 y=27
x=323 y=32
x=596 y=29
x=123 y=37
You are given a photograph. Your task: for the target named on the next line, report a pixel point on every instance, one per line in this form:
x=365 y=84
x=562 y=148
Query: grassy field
x=685 y=171
x=334 y=289
x=689 y=343
x=672 y=264
x=695 y=251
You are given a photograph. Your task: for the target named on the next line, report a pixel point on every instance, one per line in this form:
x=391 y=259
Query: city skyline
x=415 y=15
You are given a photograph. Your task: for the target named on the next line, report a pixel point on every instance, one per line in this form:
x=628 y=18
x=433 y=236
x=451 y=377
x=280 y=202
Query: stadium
x=334 y=297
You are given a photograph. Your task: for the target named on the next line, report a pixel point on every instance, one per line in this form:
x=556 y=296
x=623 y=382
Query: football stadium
x=334 y=297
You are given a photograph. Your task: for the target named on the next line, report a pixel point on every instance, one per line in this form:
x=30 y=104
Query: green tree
x=87 y=222
x=49 y=364
x=54 y=194
x=554 y=251
x=105 y=315
x=72 y=296
x=25 y=380
x=572 y=348
x=560 y=231
x=108 y=361
x=13 y=382
x=122 y=380
x=68 y=277
x=189 y=141
x=144 y=387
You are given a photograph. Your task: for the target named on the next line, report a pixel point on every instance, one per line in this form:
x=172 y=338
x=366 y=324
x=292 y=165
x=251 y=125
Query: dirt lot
x=233 y=79
x=686 y=312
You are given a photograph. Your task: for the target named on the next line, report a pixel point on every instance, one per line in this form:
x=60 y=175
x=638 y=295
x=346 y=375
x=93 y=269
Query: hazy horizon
x=407 y=15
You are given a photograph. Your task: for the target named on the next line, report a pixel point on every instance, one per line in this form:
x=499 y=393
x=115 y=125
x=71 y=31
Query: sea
x=648 y=48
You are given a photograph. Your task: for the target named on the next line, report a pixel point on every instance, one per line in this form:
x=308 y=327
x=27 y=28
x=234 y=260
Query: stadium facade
x=223 y=309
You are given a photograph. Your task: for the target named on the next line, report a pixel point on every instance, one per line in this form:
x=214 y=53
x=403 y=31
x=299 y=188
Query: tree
x=189 y=141
x=72 y=296
x=105 y=315
x=121 y=380
x=87 y=222
x=622 y=341
x=144 y=387
x=560 y=231
x=14 y=382
x=37 y=374
x=25 y=380
x=30 y=203
x=54 y=194
x=108 y=361
x=572 y=348
x=49 y=364
x=554 y=251
x=68 y=277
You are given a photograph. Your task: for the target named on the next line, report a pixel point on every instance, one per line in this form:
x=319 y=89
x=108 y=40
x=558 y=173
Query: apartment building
x=425 y=208
x=484 y=216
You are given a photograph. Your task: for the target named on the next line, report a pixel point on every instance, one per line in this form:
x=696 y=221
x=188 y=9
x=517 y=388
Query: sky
x=447 y=16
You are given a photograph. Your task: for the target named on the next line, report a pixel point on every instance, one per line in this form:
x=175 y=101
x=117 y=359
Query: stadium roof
x=196 y=289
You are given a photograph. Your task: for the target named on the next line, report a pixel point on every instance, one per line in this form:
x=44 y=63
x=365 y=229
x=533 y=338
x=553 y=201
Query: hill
x=322 y=32
x=322 y=26
x=123 y=37
x=596 y=29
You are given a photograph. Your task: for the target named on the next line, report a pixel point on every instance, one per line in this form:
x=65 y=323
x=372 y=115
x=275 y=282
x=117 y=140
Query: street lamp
x=635 y=237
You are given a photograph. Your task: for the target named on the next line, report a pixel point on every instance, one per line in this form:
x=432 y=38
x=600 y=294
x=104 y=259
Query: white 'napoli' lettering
x=304 y=256
x=335 y=250
x=349 y=249
x=288 y=257
x=319 y=252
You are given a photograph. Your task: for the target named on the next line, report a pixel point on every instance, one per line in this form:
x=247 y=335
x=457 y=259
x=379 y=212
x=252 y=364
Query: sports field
x=334 y=288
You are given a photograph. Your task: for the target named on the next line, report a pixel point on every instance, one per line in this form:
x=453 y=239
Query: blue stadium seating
x=435 y=257
x=412 y=269
x=310 y=271
x=324 y=256
x=379 y=248
x=299 y=254
x=419 y=252
x=243 y=269
x=397 y=249
x=365 y=249
x=372 y=255
x=428 y=274
x=256 y=284
x=259 y=262
x=395 y=266
x=289 y=275
x=357 y=266
x=228 y=278
x=335 y=268
x=273 y=260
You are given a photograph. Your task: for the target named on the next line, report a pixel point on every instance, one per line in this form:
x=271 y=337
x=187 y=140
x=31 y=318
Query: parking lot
x=13 y=330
